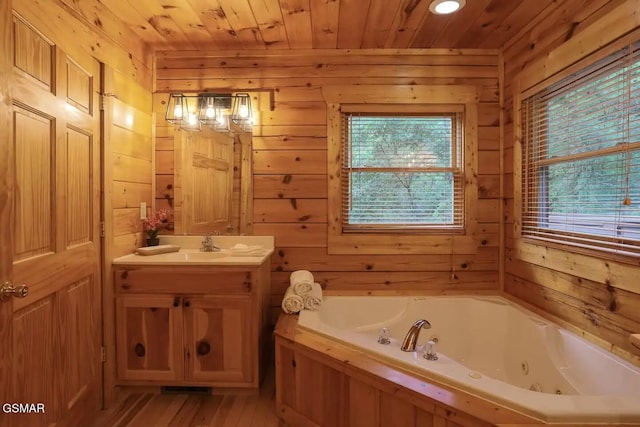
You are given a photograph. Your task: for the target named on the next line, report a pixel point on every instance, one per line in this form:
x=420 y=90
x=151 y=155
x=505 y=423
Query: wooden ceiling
x=318 y=24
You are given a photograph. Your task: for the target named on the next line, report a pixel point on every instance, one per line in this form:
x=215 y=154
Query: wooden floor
x=157 y=410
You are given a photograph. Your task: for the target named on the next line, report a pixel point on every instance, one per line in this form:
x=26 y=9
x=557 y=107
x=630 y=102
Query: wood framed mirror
x=212 y=186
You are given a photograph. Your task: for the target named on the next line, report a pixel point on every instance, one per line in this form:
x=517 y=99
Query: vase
x=153 y=241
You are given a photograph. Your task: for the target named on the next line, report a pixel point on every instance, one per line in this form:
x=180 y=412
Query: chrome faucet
x=411 y=339
x=207 y=244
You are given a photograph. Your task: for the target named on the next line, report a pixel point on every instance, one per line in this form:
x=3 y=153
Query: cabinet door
x=218 y=335
x=149 y=337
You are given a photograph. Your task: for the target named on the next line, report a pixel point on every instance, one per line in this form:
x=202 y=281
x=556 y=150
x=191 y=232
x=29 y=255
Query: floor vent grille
x=185 y=390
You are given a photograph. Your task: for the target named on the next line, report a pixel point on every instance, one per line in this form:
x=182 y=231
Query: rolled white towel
x=313 y=300
x=292 y=303
x=301 y=281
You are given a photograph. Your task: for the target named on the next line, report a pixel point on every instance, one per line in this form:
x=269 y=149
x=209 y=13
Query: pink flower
x=155 y=222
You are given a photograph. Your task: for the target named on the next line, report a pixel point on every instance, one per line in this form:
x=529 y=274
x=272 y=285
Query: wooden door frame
x=6 y=200
x=106 y=185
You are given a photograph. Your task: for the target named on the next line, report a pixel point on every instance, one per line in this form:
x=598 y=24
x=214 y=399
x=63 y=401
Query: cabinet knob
x=176 y=302
x=203 y=348
x=187 y=303
x=139 y=350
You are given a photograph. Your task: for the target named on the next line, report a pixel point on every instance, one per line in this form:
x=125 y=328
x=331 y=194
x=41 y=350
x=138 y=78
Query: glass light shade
x=177 y=109
x=191 y=123
x=444 y=7
x=190 y=120
x=241 y=113
x=222 y=123
x=208 y=110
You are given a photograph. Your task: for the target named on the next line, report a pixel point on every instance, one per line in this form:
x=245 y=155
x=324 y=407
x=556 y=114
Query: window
x=581 y=157
x=402 y=171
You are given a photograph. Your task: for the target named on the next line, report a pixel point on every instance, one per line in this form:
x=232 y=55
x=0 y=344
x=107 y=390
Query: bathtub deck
x=431 y=403
x=405 y=396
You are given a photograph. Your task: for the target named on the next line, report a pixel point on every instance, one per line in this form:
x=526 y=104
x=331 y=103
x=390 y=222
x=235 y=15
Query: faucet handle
x=206 y=239
x=430 y=350
x=384 y=336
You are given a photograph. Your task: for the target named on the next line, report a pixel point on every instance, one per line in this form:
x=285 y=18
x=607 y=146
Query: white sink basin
x=202 y=256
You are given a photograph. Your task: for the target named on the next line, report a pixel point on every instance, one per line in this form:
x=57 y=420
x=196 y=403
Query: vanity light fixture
x=445 y=7
x=215 y=110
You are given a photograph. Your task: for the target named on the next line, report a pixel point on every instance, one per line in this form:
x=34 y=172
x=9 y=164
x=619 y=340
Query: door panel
x=149 y=334
x=79 y=192
x=79 y=84
x=33 y=208
x=35 y=356
x=79 y=326
x=33 y=53
x=218 y=337
x=56 y=328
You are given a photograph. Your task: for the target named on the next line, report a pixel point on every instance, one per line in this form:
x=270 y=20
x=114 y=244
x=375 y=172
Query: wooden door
x=50 y=222
x=219 y=340
x=149 y=338
x=207 y=186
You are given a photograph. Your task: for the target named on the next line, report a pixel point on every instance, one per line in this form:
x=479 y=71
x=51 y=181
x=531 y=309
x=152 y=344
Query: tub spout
x=411 y=339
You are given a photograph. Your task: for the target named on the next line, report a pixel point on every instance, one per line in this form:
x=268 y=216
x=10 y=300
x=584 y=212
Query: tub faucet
x=207 y=244
x=411 y=339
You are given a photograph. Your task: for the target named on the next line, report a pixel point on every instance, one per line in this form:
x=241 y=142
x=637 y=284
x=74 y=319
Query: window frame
x=456 y=167
x=524 y=88
x=401 y=99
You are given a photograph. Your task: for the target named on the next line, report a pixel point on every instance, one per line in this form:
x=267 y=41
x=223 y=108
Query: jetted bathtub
x=492 y=348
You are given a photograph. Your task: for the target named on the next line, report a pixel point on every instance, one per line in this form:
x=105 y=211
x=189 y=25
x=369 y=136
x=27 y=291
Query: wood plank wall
x=131 y=163
x=596 y=297
x=290 y=157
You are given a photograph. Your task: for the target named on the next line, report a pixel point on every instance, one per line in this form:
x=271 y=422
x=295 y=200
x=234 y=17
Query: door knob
x=7 y=290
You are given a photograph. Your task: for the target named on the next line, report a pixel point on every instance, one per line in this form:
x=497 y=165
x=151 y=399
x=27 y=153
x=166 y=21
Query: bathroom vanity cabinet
x=195 y=325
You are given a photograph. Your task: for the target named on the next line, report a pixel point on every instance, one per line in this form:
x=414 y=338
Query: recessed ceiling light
x=444 y=7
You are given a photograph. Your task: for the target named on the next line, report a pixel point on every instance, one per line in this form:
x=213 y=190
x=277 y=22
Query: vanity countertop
x=190 y=254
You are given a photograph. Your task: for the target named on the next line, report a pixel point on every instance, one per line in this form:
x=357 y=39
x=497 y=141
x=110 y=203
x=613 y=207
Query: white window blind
x=581 y=157
x=402 y=172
